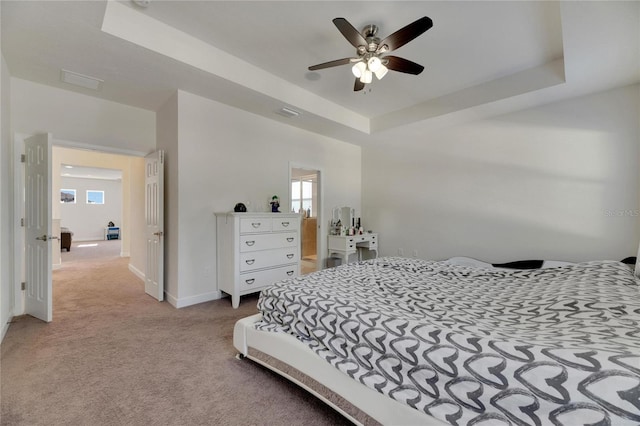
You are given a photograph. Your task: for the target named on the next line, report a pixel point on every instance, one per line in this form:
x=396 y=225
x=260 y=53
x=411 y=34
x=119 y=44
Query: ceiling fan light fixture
x=359 y=69
x=367 y=77
x=374 y=63
x=381 y=72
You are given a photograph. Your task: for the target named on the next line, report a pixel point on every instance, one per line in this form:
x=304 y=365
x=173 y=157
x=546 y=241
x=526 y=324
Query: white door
x=38 y=238
x=154 y=217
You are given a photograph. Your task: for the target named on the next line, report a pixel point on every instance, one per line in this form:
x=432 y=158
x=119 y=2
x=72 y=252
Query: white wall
x=81 y=119
x=135 y=193
x=559 y=181
x=6 y=204
x=167 y=131
x=226 y=156
x=87 y=221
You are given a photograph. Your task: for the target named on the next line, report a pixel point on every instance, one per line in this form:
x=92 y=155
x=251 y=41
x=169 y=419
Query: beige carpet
x=115 y=356
x=85 y=250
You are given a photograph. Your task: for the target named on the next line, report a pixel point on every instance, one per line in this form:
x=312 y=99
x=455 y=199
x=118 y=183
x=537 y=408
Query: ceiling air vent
x=81 y=80
x=288 y=112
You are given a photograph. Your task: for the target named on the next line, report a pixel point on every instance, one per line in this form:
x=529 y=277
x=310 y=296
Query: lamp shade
x=358 y=69
x=374 y=64
x=381 y=72
x=367 y=77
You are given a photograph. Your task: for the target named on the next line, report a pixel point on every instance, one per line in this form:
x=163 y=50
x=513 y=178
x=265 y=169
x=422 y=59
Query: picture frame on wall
x=68 y=196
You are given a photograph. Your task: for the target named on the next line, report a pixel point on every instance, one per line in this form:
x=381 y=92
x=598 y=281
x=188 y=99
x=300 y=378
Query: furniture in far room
x=344 y=246
x=65 y=239
x=255 y=250
x=112 y=233
x=309 y=236
x=459 y=342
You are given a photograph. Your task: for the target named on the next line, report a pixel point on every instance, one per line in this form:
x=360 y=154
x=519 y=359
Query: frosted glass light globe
x=358 y=69
x=374 y=64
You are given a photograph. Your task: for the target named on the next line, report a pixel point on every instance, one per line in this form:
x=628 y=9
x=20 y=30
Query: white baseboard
x=171 y=300
x=181 y=303
x=5 y=326
x=192 y=300
x=137 y=272
x=125 y=254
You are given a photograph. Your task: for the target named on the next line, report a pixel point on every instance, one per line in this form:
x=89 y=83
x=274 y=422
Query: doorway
x=131 y=210
x=305 y=199
x=90 y=209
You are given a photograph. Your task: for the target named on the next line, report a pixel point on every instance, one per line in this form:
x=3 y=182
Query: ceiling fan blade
x=351 y=34
x=330 y=64
x=406 y=34
x=358 y=85
x=403 y=65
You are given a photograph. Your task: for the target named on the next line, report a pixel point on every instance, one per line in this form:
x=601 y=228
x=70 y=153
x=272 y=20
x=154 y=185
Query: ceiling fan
x=370 y=48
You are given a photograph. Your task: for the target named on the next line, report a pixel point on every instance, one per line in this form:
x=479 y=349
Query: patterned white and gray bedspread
x=472 y=346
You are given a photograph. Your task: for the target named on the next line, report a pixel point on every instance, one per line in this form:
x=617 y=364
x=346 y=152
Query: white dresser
x=255 y=250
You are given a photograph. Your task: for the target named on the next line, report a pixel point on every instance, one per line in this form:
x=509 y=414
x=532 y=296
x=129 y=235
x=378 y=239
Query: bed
x=407 y=341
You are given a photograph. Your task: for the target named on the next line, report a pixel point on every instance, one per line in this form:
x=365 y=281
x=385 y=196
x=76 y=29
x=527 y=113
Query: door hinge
x=22 y=221
x=23 y=158
x=23 y=285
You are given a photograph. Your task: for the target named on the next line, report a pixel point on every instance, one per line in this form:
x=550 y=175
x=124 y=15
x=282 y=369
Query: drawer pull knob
x=256 y=224
x=250 y=261
x=251 y=281
x=289 y=239
x=290 y=256
x=250 y=243
x=290 y=273
x=285 y=224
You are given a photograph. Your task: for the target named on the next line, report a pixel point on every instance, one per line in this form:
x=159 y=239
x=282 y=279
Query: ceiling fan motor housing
x=369 y=33
x=370 y=30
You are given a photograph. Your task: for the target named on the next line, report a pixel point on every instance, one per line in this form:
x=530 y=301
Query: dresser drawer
x=342 y=243
x=268 y=241
x=252 y=260
x=262 y=224
x=285 y=224
x=258 y=279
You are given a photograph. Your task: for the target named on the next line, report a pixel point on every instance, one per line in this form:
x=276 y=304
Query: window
x=68 y=196
x=301 y=195
x=95 y=197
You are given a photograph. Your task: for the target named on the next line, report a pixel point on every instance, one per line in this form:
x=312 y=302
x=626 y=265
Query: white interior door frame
x=18 y=229
x=321 y=236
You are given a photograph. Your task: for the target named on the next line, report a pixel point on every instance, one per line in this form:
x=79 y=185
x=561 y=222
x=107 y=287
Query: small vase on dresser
x=254 y=250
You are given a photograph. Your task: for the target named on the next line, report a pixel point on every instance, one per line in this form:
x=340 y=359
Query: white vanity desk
x=344 y=246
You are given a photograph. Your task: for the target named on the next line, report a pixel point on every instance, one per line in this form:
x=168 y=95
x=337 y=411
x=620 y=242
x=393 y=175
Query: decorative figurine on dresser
x=254 y=250
x=275 y=204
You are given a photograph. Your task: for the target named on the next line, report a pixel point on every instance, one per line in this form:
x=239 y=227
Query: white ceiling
x=480 y=57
